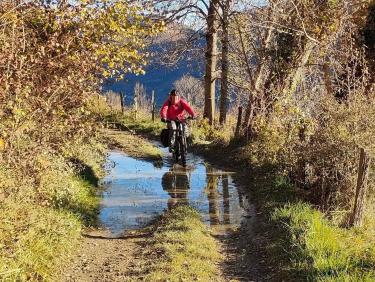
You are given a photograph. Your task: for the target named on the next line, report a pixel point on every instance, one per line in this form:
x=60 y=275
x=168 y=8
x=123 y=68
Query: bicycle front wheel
x=183 y=152
x=177 y=150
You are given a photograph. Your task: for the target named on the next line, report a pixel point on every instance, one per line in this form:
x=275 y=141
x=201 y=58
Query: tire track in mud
x=104 y=258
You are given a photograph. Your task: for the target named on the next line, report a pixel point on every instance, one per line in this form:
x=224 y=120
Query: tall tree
x=225 y=7
x=210 y=61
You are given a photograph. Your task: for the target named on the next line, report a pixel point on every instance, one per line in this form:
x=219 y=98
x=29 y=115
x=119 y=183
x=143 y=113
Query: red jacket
x=173 y=112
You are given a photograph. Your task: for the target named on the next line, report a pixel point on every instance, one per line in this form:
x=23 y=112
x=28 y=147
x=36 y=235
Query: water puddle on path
x=136 y=191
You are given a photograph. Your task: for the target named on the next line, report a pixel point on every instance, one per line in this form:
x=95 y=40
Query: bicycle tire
x=182 y=152
x=183 y=159
x=176 y=155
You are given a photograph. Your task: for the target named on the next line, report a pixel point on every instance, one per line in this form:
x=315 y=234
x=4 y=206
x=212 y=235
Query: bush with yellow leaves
x=53 y=57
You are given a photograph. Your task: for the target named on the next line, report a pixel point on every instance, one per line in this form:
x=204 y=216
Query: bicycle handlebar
x=168 y=120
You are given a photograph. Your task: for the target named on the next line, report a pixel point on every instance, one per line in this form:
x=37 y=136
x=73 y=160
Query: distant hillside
x=167 y=64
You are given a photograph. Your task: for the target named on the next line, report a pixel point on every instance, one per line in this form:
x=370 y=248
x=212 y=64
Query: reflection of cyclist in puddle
x=177 y=185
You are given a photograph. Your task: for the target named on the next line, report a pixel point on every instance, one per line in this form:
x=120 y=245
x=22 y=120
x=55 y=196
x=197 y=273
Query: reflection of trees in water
x=177 y=185
x=240 y=200
x=213 y=196
x=142 y=220
x=226 y=203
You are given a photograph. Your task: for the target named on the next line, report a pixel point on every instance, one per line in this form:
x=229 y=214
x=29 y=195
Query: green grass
x=40 y=225
x=35 y=241
x=143 y=124
x=324 y=252
x=202 y=132
x=187 y=250
x=308 y=246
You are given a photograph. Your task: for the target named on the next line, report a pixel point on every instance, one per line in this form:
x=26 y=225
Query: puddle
x=136 y=191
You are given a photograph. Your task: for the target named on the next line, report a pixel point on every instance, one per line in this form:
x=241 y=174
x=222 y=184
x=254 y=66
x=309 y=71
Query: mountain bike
x=180 y=144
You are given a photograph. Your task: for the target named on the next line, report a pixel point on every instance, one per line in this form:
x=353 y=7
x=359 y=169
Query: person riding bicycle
x=174 y=109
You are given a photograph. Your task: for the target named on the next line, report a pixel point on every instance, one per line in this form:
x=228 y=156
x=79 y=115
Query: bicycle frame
x=180 y=144
x=180 y=133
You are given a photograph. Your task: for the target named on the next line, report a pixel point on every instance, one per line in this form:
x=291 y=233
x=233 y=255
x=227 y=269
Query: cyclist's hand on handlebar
x=163 y=120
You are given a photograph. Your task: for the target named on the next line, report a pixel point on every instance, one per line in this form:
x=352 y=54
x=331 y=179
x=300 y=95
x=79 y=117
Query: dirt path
x=125 y=258
x=103 y=258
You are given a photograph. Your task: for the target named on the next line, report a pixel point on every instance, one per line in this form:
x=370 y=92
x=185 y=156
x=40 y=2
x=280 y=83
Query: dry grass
x=134 y=145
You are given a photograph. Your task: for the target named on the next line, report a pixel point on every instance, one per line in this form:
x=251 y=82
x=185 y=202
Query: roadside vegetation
x=324 y=252
x=307 y=243
x=40 y=224
x=53 y=57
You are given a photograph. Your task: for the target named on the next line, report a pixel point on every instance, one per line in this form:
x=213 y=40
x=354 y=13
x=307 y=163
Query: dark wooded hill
x=167 y=64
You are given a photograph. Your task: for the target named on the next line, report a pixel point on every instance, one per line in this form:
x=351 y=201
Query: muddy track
x=104 y=258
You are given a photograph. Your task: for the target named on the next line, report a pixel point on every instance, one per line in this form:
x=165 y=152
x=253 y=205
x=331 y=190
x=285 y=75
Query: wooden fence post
x=239 y=121
x=301 y=163
x=122 y=102
x=135 y=105
x=361 y=191
x=153 y=105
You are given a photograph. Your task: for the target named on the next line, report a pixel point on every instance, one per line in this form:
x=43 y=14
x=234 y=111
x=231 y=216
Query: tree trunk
x=250 y=106
x=224 y=63
x=238 y=125
x=327 y=79
x=295 y=77
x=259 y=84
x=136 y=99
x=360 y=197
x=211 y=61
x=153 y=106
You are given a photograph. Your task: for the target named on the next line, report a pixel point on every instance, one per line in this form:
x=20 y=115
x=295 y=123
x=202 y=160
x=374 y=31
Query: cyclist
x=174 y=109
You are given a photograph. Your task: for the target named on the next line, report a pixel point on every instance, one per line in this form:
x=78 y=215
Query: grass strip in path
x=184 y=249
